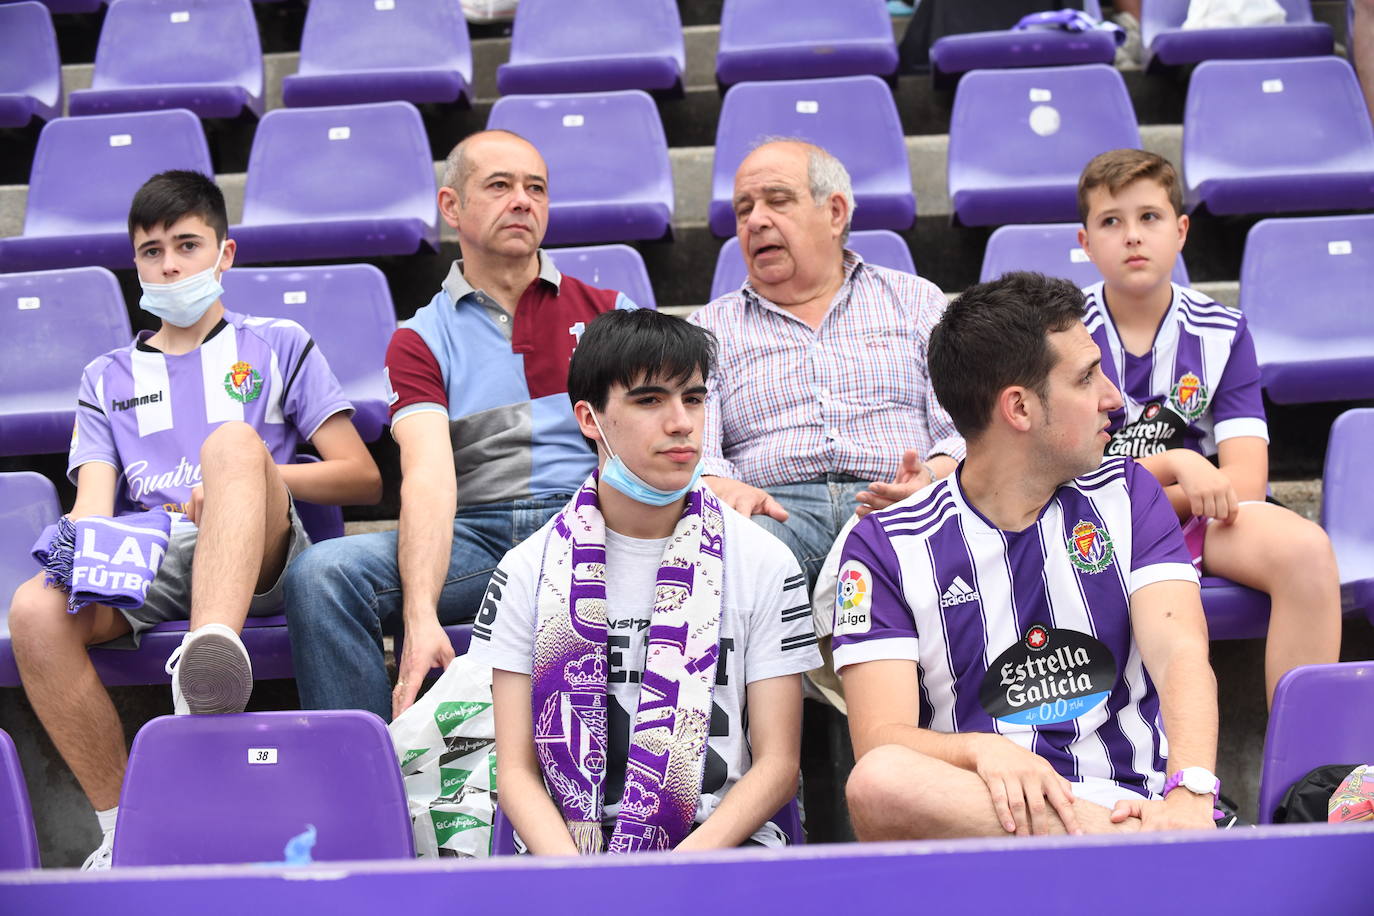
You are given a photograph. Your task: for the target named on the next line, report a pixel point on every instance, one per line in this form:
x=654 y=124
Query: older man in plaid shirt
x=822 y=393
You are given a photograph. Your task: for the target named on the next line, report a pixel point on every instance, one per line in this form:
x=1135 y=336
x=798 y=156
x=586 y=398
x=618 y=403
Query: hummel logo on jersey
x=958 y=593
x=155 y=398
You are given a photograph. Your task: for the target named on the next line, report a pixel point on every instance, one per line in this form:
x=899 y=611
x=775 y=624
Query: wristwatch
x=1198 y=780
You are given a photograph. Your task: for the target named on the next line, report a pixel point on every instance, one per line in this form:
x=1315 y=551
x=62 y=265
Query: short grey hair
x=457 y=167
x=825 y=174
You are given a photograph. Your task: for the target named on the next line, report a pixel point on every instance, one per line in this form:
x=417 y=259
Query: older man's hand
x=911 y=477
x=744 y=499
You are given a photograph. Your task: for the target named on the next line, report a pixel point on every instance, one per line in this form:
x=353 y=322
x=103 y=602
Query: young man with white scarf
x=648 y=642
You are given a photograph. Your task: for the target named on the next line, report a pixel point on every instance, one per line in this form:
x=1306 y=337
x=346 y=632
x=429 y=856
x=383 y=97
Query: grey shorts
x=169 y=597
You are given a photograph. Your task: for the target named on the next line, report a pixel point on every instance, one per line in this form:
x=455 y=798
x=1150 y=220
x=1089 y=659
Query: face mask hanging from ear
x=185 y=301
x=632 y=485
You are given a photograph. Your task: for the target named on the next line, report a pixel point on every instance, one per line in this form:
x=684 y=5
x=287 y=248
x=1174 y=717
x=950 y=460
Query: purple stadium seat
x=1235 y=111
x=79 y=223
x=379 y=51
x=877 y=246
x=788 y=819
x=52 y=323
x=804 y=39
x=234 y=789
x=1166 y=42
x=30 y=71
x=203 y=55
x=73 y=6
x=18 y=840
x=954 y=55
x=28 y=504
x=343 y=182
x=1322 y=714
x=1304 y=288
x=593 y=46
x=1019 y=138
x=853 y=117
x=610 y=180
x=1348 y=506
x=1050 y=249
x=1234 y=611
x=617 y=267
x=347 y=309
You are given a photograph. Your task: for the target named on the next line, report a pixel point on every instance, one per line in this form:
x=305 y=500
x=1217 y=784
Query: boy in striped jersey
x=1191 y=397
x=1015 y=639
x=201 y=418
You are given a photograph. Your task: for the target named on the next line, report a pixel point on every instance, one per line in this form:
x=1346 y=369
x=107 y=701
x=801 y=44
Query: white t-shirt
x=765 y=631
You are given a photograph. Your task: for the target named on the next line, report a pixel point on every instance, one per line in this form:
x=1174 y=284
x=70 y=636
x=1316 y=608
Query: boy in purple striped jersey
x=201 y=418
x=1016 y=638
x=1192 y=414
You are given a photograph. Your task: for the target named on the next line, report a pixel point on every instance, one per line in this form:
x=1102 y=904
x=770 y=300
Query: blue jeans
x=339 y=593
x=817 y=510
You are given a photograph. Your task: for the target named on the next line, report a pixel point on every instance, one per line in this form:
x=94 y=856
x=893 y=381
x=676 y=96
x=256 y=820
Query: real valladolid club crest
x=243 y=383
x=1189 y=395
x=1090 y=548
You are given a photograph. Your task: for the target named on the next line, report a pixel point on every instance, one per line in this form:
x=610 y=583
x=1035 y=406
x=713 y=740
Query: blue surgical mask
x=632 y=485
x=186 y=301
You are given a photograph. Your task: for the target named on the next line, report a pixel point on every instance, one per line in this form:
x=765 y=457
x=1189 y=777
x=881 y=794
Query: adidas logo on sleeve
x=958 y=593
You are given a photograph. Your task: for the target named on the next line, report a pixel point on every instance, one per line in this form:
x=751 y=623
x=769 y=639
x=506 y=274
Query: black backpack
x=1306 y=800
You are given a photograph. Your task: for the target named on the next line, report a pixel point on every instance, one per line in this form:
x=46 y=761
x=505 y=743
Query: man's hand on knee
x=744 y=499
x=427 y=646
x=1026 y=791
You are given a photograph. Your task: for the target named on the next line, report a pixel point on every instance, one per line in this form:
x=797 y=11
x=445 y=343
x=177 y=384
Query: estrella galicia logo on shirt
x=1051 y=675
x=854 y=600
x=243 y=383
x=1189 y=396
x=1157 y=429
x=1090 y=548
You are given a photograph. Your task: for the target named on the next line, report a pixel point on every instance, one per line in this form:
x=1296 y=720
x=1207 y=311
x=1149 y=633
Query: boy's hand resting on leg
x=1021 y=782
x=1209 y=491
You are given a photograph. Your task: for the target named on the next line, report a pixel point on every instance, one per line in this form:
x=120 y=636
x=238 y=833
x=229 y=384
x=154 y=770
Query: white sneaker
x=211 y=673
x=99 y=860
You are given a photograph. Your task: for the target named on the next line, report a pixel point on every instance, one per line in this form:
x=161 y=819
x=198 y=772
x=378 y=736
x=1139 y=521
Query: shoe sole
x=215 y=676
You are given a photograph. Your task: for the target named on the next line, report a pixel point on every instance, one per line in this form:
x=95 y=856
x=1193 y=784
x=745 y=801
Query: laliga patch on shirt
x=1157 y=429
x=854 y=600
x=1050 y=676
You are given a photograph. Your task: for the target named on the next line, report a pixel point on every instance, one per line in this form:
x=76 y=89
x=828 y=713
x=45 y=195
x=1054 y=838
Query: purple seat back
x=853 y=117
x=1322 y=714
x=30 y=71
x=1018 y=140
x=1348 y=506
x=1234 y=611
x=951 y=55
x=203 y=55
x=593 y=46
x=202 y=789
x=73 y=6
x=364 y=51
x=1166 y=42
x=877 y=246
x=617 y=267
x=28 y=504
x=346 y=309
x=348 y=181
x=804 y=39
x=1304 y=289
x=1236 y=108
x=71 y=223
x=609 y=176
x=18 y=840
x=52 y=323
x=1050 y=249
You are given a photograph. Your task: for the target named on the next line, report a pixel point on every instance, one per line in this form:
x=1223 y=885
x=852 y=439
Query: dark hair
x=168 y=196
x=1115 y=169
x=626 y=346
x=993 y=336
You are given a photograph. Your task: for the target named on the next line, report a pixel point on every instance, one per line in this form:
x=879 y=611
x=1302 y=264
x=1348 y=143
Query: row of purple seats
x=951 y=56
x=30 y=71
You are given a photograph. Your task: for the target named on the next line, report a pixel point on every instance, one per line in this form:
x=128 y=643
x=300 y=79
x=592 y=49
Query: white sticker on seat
x=1078 y=256
x=262 y=755
x=28 y=302
x=808 y=106
x=1044 y=120
x=121 y=139
x=1040 y=95
x=293 y=297
x=384 y=5
x=1342 y=247
x=573 y=120
x=1272 y=85
x=340 y=133
x=181 y=16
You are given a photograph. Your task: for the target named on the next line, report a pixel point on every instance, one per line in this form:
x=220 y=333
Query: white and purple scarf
x=671 y=725
x=101 y=560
